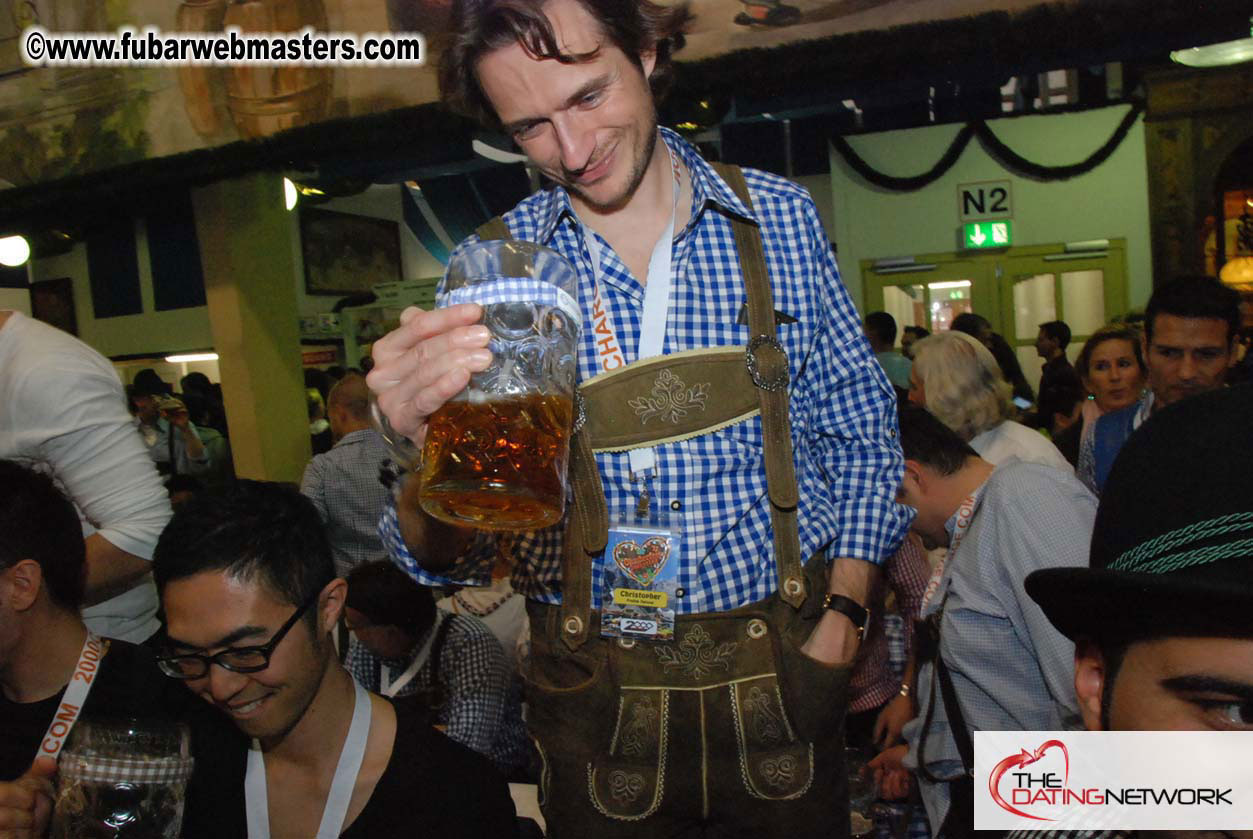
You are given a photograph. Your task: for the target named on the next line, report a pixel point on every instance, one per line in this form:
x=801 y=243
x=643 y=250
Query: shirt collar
x=951 y=525
x=707 y=188
x=353 y=437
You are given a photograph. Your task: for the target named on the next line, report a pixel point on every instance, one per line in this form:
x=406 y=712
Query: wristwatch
x=851 y=609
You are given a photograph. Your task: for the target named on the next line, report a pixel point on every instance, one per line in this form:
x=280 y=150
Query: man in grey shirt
x=344 y=483
x=1011 y=670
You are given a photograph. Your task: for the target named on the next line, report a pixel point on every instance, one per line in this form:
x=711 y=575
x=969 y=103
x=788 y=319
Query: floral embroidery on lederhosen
x=774 y=763
x=671 y=399
x=697 y=655
x=627 y=783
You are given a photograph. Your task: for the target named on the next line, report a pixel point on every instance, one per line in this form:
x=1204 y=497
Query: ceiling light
x=14 y=251
x=290 y=196
x=1216 y=55
x=186 y=358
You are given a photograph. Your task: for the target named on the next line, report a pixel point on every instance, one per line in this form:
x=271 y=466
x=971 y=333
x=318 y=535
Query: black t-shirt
x=128 y=685
x=432 y=786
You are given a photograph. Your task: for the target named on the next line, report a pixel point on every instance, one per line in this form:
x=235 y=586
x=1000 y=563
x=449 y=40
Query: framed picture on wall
x=52 y=301
x=346 y=253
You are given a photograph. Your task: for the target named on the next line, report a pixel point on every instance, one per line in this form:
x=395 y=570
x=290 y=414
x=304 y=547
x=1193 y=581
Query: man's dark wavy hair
x=480 y=26
x=254 y=531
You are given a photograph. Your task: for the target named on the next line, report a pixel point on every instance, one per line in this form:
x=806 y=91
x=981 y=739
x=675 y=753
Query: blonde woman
x=956 y=378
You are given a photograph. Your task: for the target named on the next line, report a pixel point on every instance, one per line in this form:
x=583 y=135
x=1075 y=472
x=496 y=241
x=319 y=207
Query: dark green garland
x=1000 y=152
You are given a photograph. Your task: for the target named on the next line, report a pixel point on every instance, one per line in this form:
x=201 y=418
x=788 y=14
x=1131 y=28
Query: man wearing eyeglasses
x=251 y=598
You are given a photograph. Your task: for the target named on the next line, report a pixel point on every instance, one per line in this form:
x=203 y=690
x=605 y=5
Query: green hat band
x=1172 y=551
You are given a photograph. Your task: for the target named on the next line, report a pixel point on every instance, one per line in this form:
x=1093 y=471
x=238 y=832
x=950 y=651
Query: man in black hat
x=165 y=425
x=1162 y=619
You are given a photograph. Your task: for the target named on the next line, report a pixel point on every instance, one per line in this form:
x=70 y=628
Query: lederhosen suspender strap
x=734 y=375
x=769 y=373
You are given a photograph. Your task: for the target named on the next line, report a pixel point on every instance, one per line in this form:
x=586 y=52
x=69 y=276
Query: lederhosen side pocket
x=627 y=780
x=569 y=696
x=816 y=693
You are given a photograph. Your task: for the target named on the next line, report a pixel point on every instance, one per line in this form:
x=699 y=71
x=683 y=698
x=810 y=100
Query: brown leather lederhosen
x=729 y=724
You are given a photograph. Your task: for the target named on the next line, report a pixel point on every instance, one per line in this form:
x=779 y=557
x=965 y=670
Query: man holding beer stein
x=732 y=458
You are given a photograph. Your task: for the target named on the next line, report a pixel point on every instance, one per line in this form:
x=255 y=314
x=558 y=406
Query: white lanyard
x=653 y=322
x=256 y=796
x=965 y=515
x=74 y=697
x=390 y=688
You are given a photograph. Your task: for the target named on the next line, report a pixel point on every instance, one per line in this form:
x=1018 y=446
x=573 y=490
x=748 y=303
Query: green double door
x=1016 y=289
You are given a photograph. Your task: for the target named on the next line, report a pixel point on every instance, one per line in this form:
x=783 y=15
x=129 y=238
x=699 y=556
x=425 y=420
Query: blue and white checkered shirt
x=482 y=705
x=848 y=459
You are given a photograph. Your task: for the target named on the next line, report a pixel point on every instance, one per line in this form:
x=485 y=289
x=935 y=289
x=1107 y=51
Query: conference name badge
x=641 y=578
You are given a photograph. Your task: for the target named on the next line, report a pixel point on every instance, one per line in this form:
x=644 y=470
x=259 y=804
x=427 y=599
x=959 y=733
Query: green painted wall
x=1109 y=202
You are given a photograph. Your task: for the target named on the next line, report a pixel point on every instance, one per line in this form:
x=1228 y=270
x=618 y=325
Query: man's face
x=590 y=126
x=1187 y=356
x=1044 y=345
x=918 y=490
x=211 y=611
x=1171 y=684
x=146 y=408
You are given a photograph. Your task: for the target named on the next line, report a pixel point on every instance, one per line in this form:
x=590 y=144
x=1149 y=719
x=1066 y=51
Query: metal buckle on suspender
x=779 y=381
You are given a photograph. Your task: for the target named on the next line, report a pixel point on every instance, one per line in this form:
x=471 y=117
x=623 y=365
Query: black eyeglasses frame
x=266 y=650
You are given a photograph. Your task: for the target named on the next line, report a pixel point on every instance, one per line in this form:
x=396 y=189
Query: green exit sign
x=987 y=234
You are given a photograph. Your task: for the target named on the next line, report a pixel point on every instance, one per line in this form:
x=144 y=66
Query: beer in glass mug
x=495 y=456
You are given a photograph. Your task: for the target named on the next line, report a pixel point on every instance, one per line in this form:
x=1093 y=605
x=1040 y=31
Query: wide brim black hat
x=1172 y=547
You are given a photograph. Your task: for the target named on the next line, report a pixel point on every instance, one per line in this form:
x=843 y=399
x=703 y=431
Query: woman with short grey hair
x=956 y=378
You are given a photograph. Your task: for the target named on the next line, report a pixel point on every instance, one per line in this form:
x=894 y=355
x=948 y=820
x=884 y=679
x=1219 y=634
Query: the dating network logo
x=1135 y=780
x=1027 y=788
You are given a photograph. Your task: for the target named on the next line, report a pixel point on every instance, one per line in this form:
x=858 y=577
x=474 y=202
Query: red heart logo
x=1024 y=758
x=642 y=563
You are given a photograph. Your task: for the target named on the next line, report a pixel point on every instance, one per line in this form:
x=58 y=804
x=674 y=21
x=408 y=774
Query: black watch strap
x=850 y=608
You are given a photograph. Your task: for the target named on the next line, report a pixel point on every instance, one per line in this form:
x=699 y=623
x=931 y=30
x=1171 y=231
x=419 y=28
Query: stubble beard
x=304 y=699
x=639 y=167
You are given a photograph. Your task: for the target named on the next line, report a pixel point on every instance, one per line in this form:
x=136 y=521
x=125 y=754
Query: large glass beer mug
x=122 y=778
x=495 y=456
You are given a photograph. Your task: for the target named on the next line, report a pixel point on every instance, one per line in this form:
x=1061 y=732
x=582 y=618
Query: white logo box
x=1113 y=780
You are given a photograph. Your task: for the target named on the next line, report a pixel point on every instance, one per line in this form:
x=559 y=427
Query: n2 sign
x=984 y=200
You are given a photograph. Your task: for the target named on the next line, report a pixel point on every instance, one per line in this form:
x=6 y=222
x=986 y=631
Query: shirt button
x=680 y=592
x=676 y=505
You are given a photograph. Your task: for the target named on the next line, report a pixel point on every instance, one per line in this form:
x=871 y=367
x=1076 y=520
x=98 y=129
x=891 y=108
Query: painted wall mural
x=57 y=122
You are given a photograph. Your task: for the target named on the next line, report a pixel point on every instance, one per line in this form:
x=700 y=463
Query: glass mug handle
x=403 y=451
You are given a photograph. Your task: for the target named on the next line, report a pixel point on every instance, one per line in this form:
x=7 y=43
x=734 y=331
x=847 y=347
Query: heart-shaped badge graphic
x=1024 y=758
x=642 y=563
